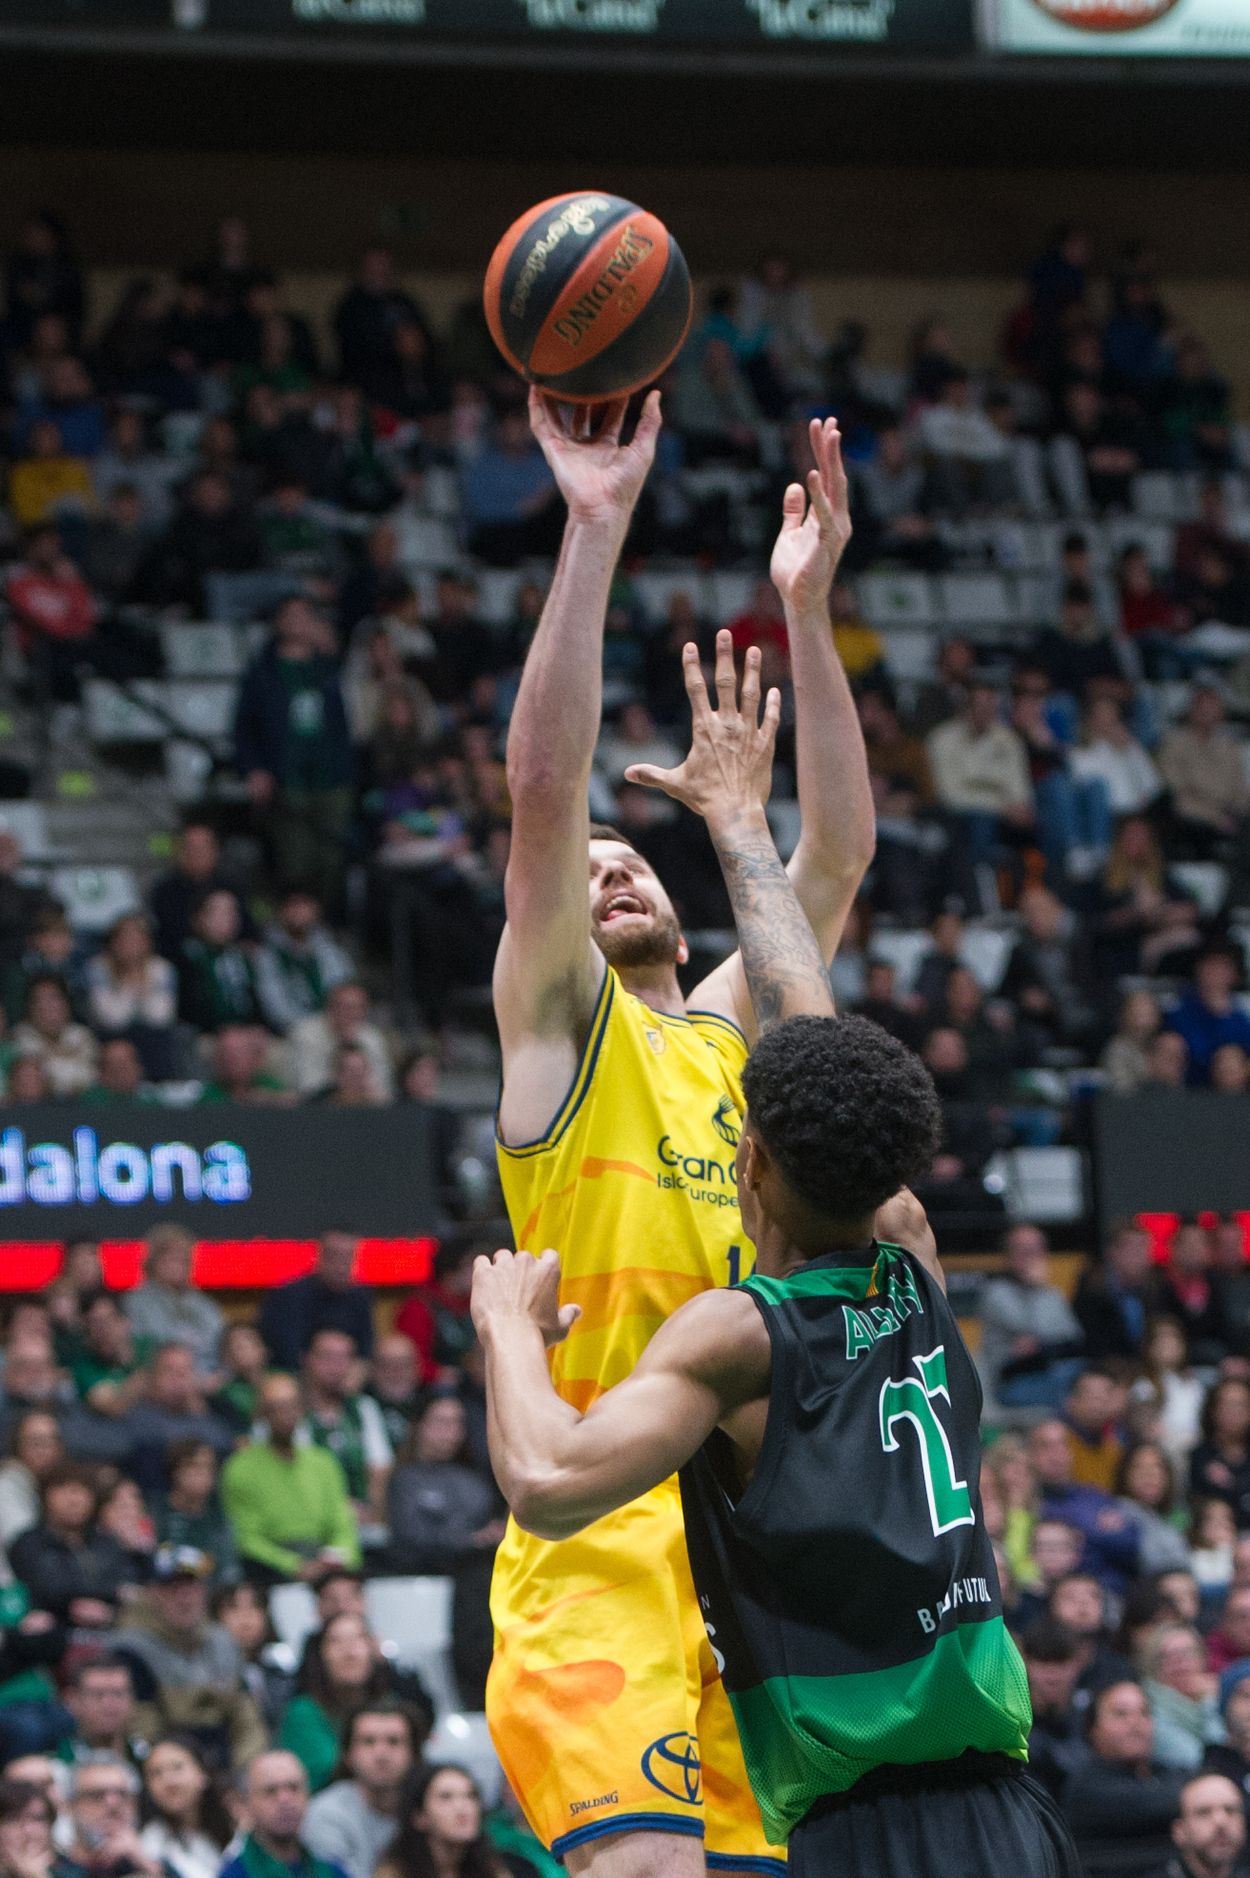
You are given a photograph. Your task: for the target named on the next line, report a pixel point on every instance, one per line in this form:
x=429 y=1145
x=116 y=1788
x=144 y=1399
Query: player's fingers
x=772 y=714
x=609 y=424
x=540 y=415
x=647 y=776
x=835 y=475
x=820 y=499
x=726 y=678
x=569 y=1314
x=648 y=426
x=504 y=1256
x=793 y=507
x=751 y=686
x=696 y=684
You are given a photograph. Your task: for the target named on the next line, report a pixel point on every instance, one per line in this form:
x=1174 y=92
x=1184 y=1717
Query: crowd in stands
x=1076 y=788
x=166 y=1470
x=1063 y=855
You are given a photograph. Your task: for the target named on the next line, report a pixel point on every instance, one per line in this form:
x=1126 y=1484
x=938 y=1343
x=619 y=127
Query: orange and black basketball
x=588 y=296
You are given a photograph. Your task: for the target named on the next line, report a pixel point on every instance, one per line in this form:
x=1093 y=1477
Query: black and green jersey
x=850 y=1591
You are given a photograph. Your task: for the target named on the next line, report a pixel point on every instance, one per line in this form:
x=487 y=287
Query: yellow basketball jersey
x=633 y=1183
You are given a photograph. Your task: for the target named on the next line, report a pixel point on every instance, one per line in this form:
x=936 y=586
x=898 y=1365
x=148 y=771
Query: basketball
x=588 y=296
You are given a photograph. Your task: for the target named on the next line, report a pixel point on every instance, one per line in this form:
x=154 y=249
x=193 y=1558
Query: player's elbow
x=542 y=1503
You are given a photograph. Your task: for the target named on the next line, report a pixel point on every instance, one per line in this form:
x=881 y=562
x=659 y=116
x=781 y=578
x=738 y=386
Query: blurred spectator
x=1229 y=1642
x=1145 y=1486
x=216 y=971
x=175 y=896
x=293 y=747
x=1094 y=1404
x=394 y=1386
x=1210 y=1832
x=276 y=1794
x=66 y=1051
x=316 y=1040
x=367 y=322
x=168 y=1307
x=343 y=1670
x=895 y=503
x=1080 y=1603
x=211 y=534
x=288 y=1504
x=714 y=407
x=170 y=1409
x=67 y=1564
x=1145 y=920
x=981 y=775
x=967 y=455
x=328 y=1299
x=353 y=1821
x=243 y=1362
x=1204 y=767
x=191 y=1663
x=1030 y=1340
x=345 y=1423
x=435 y=1316
x=1220 y=1464
x=104 y=1808
x=1230 y=1757
x=41 y=276
x=1111 y=1541
x=1125 y=1058
x=106 y=1364
x=100 y=1697
x=1078 y=652
x=1047 y=976
x=128 y=461
x=1057 y=1745
x=35 y=1447
x=54 y=614
x=241 y=1608
x=237 y=1061
x=441 y=1814
x=1121 y=1804
x=188 y=1514
x=298 y=963
x=1114 y=1297
x=1186 y=1290
x=439 y=1510
x=1195 y=410
x=189 y=1825
x=1107 y=752
x=1182 y=1696
x=133 y=995
x=510 y=497
x=48 y=483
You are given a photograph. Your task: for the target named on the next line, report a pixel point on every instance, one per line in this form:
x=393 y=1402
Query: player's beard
x=657 y=943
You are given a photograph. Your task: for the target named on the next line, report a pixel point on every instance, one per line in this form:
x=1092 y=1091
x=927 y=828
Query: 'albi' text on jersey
x=866 y=1324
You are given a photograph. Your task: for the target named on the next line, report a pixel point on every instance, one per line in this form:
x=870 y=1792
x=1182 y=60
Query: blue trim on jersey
x=627 y=1822
x=583 y=1075
x=742 y=1861
x=714 y=1017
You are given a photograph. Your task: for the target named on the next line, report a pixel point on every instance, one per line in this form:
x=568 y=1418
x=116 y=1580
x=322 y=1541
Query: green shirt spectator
x=288 y=1505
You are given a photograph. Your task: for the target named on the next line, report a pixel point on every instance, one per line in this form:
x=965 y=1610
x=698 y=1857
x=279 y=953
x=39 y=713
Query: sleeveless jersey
x=850 y=1591
x=633 y=1183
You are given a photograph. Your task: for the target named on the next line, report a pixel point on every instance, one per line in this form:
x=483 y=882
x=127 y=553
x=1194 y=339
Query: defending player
x=620 y=1111
x=826 y=1419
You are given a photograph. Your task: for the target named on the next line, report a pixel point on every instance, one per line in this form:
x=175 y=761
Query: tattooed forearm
x=781 y=956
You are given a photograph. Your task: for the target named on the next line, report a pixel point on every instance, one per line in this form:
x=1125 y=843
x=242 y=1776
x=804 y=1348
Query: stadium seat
x=1206 y=882
x=464 y=1737
x=201 y=707
x=910 y=654
x=27 y=822
x=1159 y=496
x=115 y=716
x=93 y=897
x=985 y=951
x=1066 y=467
x=497 y=589
x=413 y=1615
x=976 y=600
x=293 y=1609
x=1139 y=531
x=731 y=595
x=656 y=590
x=1043 y=1185
x=898 y=600
x=203 y=650
x=903 y=949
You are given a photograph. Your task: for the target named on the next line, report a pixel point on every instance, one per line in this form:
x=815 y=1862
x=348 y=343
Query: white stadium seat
x=897 y=600
x=93 y=897
x=413 y=1616
x=293 y=1609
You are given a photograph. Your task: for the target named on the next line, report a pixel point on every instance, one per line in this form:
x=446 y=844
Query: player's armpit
x=711 y=1357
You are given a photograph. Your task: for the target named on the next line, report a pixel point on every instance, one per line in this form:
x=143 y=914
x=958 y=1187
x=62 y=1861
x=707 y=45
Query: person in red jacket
x=436 y=1316
x=53 y=609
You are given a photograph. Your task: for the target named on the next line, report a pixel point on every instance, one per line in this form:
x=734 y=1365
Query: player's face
x=631 y=917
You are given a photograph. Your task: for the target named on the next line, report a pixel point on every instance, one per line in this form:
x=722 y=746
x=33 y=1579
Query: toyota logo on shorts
x=672 y=1764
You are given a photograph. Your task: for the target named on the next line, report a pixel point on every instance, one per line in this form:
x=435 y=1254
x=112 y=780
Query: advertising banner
x=1195 y=29
x=891 y=25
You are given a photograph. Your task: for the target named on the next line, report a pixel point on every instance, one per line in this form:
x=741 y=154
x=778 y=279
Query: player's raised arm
x=726 y=780
x=835 y=796
x=548 y=972
x=560 y=1470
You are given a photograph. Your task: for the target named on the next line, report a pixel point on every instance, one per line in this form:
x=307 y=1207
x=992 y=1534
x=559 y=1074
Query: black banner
x=835 y=25
x=222 y=1171
x=1172 y=1153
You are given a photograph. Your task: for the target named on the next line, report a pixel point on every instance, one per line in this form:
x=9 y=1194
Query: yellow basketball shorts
x=604 y=1701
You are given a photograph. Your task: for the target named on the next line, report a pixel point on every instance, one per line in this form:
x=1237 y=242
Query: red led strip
x=221 y=1264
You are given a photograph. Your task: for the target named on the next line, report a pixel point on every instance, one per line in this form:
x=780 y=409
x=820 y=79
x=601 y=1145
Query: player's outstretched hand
x=599 y=477
x=815 y=525
x=516 y=1285
x=730 y=766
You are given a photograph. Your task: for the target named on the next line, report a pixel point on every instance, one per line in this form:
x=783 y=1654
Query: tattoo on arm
x=781 y=955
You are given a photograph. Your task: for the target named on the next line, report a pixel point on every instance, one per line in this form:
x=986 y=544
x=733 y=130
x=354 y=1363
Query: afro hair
x=847 y=1112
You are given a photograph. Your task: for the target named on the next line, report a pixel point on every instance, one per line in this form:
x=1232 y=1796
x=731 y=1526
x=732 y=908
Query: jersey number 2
x=950 y=1503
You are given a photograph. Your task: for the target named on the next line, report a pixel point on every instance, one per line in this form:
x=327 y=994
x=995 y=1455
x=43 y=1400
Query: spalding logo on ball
x=588 y=297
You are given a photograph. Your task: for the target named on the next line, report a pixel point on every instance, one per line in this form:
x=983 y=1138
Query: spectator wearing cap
x=1030 y=1338
x=1182 y=1693
x=191 y=1666
x=276 y=1794
x=328 y=1299
x=1121 y=1804
x=1208 y=1015
x=167 y=1307
x=1209 y=1832
x=288 y=1503
x=1232 y=1756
